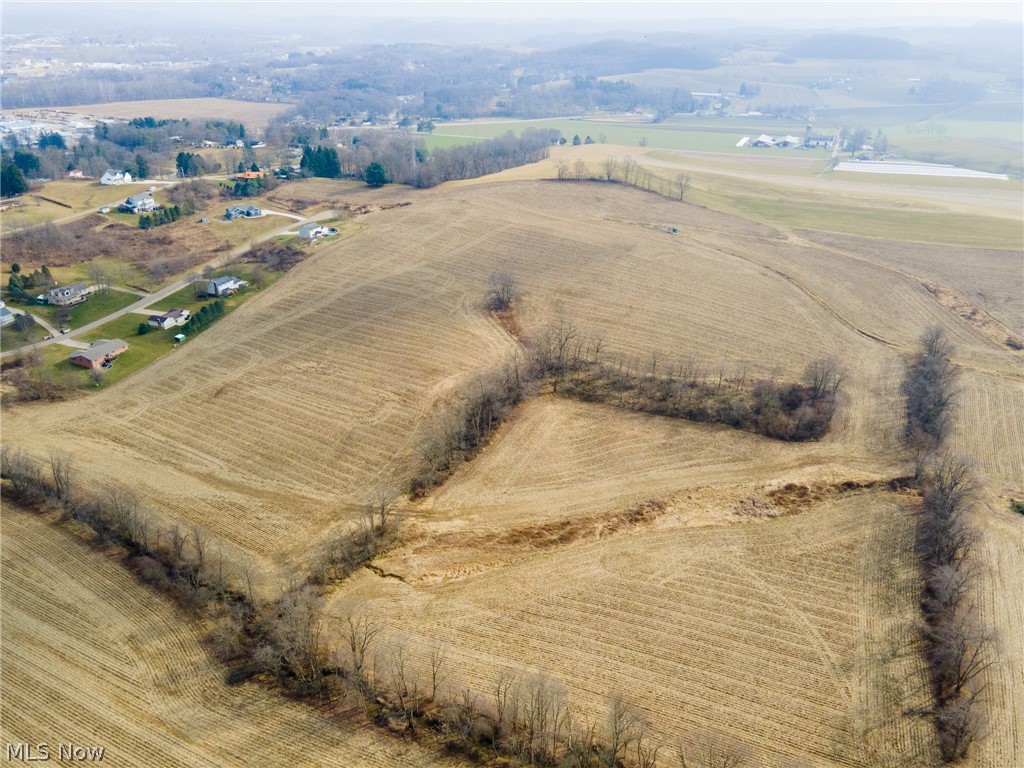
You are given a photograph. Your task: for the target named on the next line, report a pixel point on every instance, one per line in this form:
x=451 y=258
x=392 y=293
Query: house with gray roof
x=99 y=354
x=67 y=295
x=143 y=203
x=224 y=286
x=242 y=212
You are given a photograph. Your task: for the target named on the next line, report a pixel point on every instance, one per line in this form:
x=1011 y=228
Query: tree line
x=524 y=718
x=164 y=215
x=575 y=364
x=956 y=644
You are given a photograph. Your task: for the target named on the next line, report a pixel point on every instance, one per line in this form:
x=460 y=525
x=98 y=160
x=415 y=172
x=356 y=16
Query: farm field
x=93 y=658
x=637 y=541
x=782 y=633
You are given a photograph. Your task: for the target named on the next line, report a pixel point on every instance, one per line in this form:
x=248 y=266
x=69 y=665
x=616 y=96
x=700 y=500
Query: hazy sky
x=860 y=13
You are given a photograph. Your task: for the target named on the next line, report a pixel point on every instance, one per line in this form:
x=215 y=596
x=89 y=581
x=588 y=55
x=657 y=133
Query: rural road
x=167 y=290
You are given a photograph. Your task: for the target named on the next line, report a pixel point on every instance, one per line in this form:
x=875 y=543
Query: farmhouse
x=169 y=319
x=242 y=211
x=310 y=232
x=111 y=177
x=99 y=354
x=67 y=295
x=143 y=203
x=249 y=175
x=224 y=286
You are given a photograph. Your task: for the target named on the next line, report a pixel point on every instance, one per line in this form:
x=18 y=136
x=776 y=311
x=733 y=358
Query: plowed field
x=92 y=658
x=716 y=578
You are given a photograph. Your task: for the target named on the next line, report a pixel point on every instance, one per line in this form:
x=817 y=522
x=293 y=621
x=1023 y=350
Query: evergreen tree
x=376 y=175
x=12 y=181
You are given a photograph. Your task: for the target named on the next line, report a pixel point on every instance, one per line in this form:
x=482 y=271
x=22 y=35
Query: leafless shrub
x=296 y=633
x=503 y=289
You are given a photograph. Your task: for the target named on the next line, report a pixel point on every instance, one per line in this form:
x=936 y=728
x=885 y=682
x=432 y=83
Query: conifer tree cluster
x=203 y=318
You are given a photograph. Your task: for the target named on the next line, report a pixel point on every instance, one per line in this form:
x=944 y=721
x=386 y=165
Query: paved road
x=173 y=287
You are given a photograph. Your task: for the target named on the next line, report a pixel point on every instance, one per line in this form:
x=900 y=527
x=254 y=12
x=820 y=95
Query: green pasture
x=98 y=305
x=669 y=135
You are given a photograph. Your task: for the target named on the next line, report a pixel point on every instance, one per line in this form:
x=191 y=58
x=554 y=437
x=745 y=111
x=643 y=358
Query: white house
x=224 y=286
x=169 y=319
x=310 y=232
x=68 y=295
x=143 y=203
x=115 y=177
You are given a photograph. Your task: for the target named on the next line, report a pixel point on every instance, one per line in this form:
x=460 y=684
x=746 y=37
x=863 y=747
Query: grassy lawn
x=243 y=230
x=142 y=350
x=95 y=307
x=79 y=195
x=12 y=339
x=145 y=349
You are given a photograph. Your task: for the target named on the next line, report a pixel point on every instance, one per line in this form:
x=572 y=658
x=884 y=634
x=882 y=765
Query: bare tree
x=438 y=657
x=624 y=726
x=935 y=343
x=682 y=183
x=824 y=376
x=98 y=279
x=505 y=701
x=960 y=648
x=359 y=632
x=579 y=170
x=608 y=167
x=959 y=725
x=503 y=289
x=629 y=170
x=562 y=169
x=380 y=509
x=297 y=633
x=62 y=468
x=713 y=749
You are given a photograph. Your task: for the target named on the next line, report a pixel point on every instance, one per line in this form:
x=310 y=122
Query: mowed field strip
x=91 y=657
